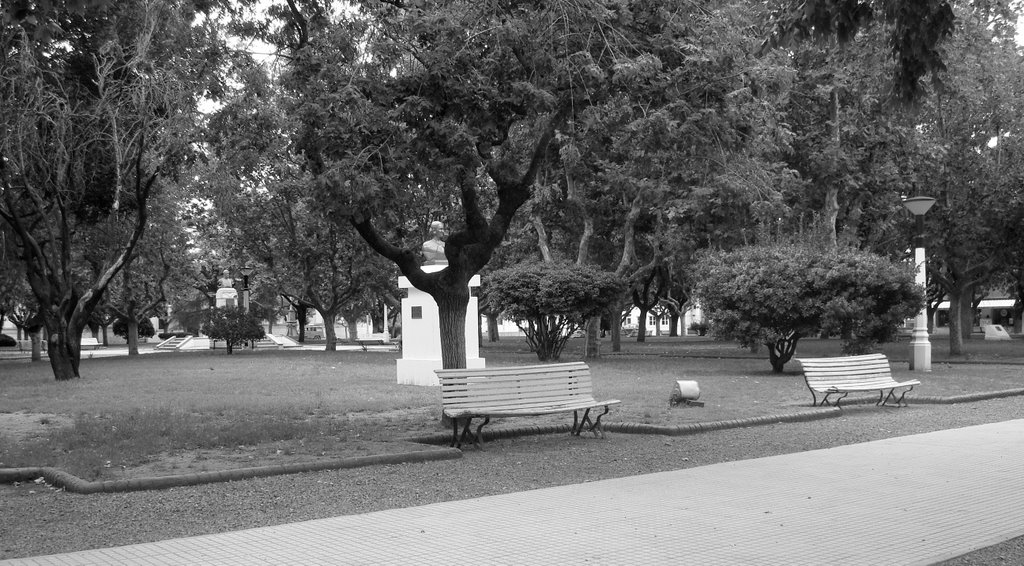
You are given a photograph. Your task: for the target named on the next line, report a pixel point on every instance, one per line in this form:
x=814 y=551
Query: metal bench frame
x=518 y=391
x=847 y=374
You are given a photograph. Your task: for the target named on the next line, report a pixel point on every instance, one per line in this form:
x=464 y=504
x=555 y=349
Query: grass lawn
x=194 y=411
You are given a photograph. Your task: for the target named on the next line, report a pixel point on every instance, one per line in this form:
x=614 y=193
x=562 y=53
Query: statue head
x=436 y=229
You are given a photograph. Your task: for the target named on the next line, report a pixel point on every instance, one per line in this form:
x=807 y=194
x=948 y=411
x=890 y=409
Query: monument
x=421 y=325
x=227 y=296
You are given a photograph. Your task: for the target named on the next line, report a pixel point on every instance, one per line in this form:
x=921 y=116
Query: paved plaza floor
x=908 y=500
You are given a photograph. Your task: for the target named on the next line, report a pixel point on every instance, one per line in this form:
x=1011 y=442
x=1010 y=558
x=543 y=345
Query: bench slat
x=526 y=411
x=512 y=389
x=519 y=381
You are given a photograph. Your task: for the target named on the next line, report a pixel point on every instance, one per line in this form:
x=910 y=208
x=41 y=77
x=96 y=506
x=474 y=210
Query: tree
x=87 y=131
x=233 y=326
x=633 y=172
x=776 y=294
x=460 y=100
x=551 y=301
x=975 y=123
x=143 y=328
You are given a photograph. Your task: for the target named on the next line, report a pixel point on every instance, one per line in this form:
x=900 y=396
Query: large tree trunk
x=64 y=348
x=641 y=326
x=302 y=317
x=492 y=328
x=615 y=317
x=133 y=337
x=452 y=305
x=352 y=324
x=37 y=345
x=956 y=337
x=592 y=348
x=329 y=334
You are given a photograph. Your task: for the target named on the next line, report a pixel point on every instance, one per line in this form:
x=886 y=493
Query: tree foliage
x=144 y=328
x=551 y=301
x=915 y=32
x=233 y=326
x=776 y=294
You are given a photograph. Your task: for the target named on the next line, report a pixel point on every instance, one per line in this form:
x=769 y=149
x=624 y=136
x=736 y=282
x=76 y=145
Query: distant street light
x=246 y=272
x=920 y=347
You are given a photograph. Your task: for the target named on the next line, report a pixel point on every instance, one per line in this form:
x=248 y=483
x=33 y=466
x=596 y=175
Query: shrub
x=145 y=330
x=6 y=341
x=233 y=326
x=551 y=301
x=776 y=294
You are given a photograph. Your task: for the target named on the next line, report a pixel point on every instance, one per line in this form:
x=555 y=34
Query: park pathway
x=908 y=500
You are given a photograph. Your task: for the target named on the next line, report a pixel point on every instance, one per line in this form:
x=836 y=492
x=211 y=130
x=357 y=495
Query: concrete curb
x=643 y=428
x=695 y=428
x=61 y=479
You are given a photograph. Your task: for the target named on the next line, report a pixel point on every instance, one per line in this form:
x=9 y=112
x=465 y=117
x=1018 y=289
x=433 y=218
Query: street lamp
x=246 y=272
x=920 y=347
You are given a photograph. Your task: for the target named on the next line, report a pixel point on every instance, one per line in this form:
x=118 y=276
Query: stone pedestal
x=227 y=298
x=421 y=334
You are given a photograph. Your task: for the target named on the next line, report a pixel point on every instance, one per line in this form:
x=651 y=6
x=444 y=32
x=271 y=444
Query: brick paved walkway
x=909 y=500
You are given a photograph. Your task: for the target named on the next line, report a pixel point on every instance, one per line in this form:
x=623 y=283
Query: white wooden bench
x=516 y=392
x=89 y=342
x=844 y=375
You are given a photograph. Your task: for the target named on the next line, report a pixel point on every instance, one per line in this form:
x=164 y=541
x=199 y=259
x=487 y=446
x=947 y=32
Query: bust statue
x=225 y=280
x=433 y=249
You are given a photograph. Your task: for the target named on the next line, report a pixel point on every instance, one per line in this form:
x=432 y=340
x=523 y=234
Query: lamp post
x=246 y=272
x=920 y=347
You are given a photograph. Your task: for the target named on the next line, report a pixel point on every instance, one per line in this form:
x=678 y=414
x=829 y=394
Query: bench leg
x=825 y=402
x=455 y=443
x=892 y=395
x=577 y=424
x=592 y=426
x=596 y=427
x=476 y=437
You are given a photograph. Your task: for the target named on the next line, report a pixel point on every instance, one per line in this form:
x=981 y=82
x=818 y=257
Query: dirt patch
x=23 y=425
x=214 y=460
x=26 y=427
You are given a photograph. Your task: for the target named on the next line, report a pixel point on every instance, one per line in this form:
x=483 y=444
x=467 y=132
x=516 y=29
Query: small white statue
x=433 y=249
x=225 y=280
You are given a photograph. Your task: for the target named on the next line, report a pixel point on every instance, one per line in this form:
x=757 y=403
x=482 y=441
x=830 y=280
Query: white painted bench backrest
x=513 y=387
x=826 y=373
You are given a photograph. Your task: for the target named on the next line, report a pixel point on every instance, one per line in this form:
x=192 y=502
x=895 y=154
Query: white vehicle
x=315 y=332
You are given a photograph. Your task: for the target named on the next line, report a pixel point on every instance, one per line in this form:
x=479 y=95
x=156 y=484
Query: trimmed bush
x=551 y=301
x=6 y=341
x=233 y=326
x=776 y=294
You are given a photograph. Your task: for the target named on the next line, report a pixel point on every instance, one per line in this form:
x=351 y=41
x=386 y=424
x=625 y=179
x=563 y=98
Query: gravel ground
x=38 y=520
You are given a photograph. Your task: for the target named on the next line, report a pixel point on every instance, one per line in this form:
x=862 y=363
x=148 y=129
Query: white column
x=920 y=346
